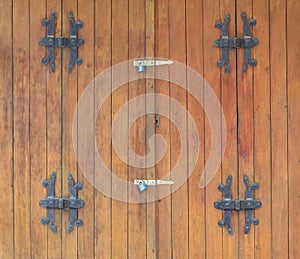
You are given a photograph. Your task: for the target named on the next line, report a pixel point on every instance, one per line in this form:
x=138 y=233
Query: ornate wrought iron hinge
x=72 y=203
x=50 y=42
x=226 y=43
x=227 y=204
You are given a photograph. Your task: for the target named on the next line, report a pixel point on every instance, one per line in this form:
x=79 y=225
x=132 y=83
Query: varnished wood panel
x=245 y=114
x=279 y=108
x=196 y=196
x=86 y=152
x=6 y=132
x=179 y=203
x=103 y=59
x=120 y=49
x=162 y=31
x=229 y=102
x=137 y=229
x=261 y=109
x=38 y=128
x=21 y=117
x=151 y=223
x=213 y=234
x=262 y=129
x=54 y=131
x=69 y=101
x=293 y=89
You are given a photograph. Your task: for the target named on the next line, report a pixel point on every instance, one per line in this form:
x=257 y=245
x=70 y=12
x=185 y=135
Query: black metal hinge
x=50 y=42
x=226 y=43
x=72 y=203
x=227 y=204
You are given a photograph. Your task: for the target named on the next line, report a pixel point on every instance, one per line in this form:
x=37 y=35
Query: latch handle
x=141 y=64
x=142 y=184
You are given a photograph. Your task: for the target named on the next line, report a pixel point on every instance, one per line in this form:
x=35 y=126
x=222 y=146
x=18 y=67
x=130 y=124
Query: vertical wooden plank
x=6 y=131
x=150 y=127
x=262 y=129
x=293 y=65
x=163 y=167
x=21 y=129
x=179 y=197
x=103 y=41
x=137 y=230
x=69 y=101
x=119 y=97
x=86 y=152
x=54 y=130
x=38 y=125
x=279 y=128
x=229 y=106
x=194 y=34
x=212 y=76
x=245 y=129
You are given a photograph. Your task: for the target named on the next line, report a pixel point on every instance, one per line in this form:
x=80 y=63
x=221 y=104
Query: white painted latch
x=141 y=64
x=142 y=184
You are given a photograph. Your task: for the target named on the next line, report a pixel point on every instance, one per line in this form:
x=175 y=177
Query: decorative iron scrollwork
x=226 y=43
x=227 y=205
x=50 y=42
x=72 y=203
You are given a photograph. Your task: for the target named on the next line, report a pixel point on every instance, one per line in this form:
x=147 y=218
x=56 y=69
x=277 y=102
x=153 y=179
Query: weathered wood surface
x=6 y=132
x=261 y=109
x=54 y=130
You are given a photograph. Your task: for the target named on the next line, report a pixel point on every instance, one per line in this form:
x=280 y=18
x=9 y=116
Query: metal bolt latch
x=141 y=64
x=142 y=184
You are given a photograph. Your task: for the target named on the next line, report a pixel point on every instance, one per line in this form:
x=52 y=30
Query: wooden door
x=261 y=110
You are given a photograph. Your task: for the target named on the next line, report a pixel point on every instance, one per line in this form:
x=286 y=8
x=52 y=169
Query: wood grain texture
x=86 y=151
x=38 y=124
x=229 y=106
x=245 y=130
x=212 y=76
x=150 y=127
x=6 y=132
x=103 y=213
x=279 y=131
x=293 y=65
x=261 y=108
x=22 y=179
x=164 y=239
x=137 y=229
x=195 y=55
x=180 y=196
x=262 y=129
x=54 y=131
x=69 y=102
x=119 y=168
